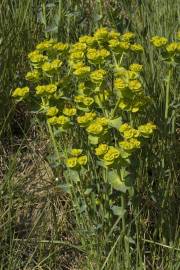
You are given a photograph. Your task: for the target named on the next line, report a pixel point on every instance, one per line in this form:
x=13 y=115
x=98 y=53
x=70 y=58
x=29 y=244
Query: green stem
x=51 y=133
x=116 y=107
x=53 y=140
x=126 y=243
x=168 y=93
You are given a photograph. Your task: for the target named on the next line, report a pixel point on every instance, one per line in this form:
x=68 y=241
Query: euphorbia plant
x=88 y=90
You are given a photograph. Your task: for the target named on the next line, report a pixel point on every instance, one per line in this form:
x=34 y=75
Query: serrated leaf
x=118 y=211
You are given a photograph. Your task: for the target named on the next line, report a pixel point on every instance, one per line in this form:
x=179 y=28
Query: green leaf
x=93 y=139
x=87 y=191
x=65 y=187
x=116 y=123
x=116 y=182
x=72 y=175
x=118 y=211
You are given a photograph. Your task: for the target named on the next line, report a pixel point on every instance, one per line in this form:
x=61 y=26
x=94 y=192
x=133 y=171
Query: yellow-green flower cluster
x=101 y=149
x=86 y=118
x=97 y=56
x=20 y=92
x=46 y=89
x=82 y=71
x=84 y=100
x=69 y=111
x=52 y=66
x=45 y=45
x=111 y=155
x=33 y=75
x=130 y=145
x=129 y=88
x=170 y=50
x=98 y=76
x=76 y=159
x=81 y=84
x=61 y=47
x=147 y=129
x=108 y=154
x=158 y=41
x=97 y=126
x=59 y=120
x=52 y=111
x=36 y=57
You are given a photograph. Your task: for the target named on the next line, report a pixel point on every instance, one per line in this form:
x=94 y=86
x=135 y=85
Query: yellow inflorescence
x=87 y=85
x=159 y=41
x=52 y=111
x=101 y=149
x=20 y=92
x=33 y=75
x=46 y=89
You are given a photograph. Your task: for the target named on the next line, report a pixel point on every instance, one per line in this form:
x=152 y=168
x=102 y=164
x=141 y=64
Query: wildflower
x=71 y=162
x=79 y=46
x=127 y=36
x=130 y=145
x=94 y=129
x=36 y=57
x=86 y=118
x=46 y=89
x=45 y=45
x=62 y=120
x=101 y=149
x=146 y=129
x=61 y=47
x=98 y=76
x=114 y=44
x=97 y=56
x=77 y=55
x=112 y=154
x=20 y=92
x=124 y=127
x=135 y=85
x=88 y=101
x=79 y=99
x=124 y=45
x=102 y=121
x=159 y=41
x=69 y=111
x=76 y=152
x=136 y=48
x=33 y=75
x=82 y=71
x=131 y=133
x=82 y=160
x=172 y=47
x=131 y=75
x=89 y=40
x=53 y=120
x=51 y=66
x=135 y=67
x=114 y=35
x=52 y=111
x=120 y=84
x=101 y=34
x=77 y=65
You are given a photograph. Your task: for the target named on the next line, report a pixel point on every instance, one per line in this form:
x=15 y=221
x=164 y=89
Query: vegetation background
x=37 y=226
